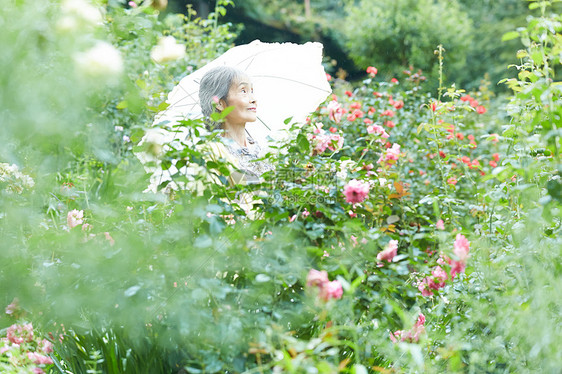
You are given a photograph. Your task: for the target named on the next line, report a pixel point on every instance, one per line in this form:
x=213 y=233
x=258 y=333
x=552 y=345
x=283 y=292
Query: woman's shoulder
x=218 y=150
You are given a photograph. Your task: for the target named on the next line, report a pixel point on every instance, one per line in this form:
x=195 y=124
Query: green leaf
x=510 y=36
x=537 y=57
x=303 y=143
x=166 y=164
x=122 y=105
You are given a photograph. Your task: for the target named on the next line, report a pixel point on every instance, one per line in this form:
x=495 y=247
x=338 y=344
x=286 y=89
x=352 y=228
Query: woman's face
x=241 y=97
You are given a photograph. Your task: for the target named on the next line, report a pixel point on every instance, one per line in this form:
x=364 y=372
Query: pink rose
x=356 y=191
x=424 y=287
x=39 y=359
x=439 y=278
x=331 y=290
x=74 y=218
x=412 y=335
x=389 y=252
x=46 y=346
x=335 y=111
x=390 y=156
x=109 y=238
x=316 y=278
x=461 y=247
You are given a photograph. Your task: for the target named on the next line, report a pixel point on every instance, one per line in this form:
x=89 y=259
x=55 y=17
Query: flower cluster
x=322 y=140
x=15 y=180
x=328 y=290
x=439 y=276
x=412 y=335
x=74 y=218
x=378 y=130
x=390 y=156
x=22 y=349
x=474 y=103
x=372 y=71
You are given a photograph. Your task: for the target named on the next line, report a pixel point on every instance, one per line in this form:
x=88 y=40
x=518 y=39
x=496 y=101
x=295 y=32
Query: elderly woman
x=224 y=87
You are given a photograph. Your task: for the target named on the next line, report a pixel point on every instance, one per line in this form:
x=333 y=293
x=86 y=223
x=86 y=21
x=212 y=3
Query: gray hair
x=217 y=82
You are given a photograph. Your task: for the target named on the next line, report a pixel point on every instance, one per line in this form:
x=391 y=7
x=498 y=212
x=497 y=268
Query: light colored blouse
x=246 y=159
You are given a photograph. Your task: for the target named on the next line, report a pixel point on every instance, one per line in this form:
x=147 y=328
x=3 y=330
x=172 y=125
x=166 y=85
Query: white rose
x=102 y=60
x=78 y=13
x=167 y=49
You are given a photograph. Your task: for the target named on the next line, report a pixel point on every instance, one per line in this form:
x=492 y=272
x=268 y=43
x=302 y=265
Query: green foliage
x=395 y=34
x=192 y=280
x=487 y=52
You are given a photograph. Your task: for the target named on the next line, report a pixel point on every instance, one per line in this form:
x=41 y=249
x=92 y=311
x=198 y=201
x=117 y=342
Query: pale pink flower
x=37 y=370
x=461 y=247
x=389 y=252
x=335 y=142
x=324 y=140
x=335 y=111
x=452 y=181
x=393 y=153
x=132 y=4
x=390 y=156
x=396 y=335
x=5 y=345
x=13 y=308
x=318 y=128
x=109 y=238
x=457 y=267
x=39 y=359
x=316 y=278
x=440 y=225
x=306 y=213
x=46 y=346
x=331 y=290
x=439 y=278
x=378 y=130
x=354 y=240
x=423 y=287
x=19 y=334
x=356 y=191
x=412 y=335
x=352 y=214
x=74 y=218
